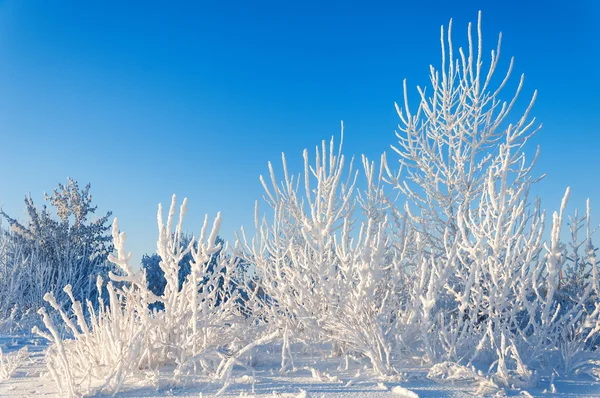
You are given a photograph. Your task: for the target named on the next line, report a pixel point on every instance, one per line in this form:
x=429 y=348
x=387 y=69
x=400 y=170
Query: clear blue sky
x=146 y=99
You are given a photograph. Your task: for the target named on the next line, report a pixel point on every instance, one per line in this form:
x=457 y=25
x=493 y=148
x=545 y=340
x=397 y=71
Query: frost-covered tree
x=74 y=227
x=457 y=134
x=51 y=250
x=487 y=288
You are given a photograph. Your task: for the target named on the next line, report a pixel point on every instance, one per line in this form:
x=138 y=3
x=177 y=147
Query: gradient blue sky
x=145 y=99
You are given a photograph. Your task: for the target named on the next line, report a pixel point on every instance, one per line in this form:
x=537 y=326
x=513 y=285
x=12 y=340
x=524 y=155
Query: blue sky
x=146 y=99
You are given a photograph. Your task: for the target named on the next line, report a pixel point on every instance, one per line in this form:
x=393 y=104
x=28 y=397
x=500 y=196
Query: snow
x=403 y=392
x=31 y=379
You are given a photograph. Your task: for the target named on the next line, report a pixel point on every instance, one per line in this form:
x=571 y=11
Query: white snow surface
x=316 y=374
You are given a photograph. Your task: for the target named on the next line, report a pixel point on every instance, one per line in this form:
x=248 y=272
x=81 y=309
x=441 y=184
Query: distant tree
x=156 y=277
x=52 y=251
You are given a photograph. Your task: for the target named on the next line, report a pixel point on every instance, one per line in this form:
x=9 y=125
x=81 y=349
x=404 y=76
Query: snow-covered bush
x=125 y=338
x=11 y=362
x=324 y=279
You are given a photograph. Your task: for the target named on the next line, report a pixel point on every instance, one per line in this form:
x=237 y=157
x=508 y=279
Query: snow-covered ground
x=316 y=374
